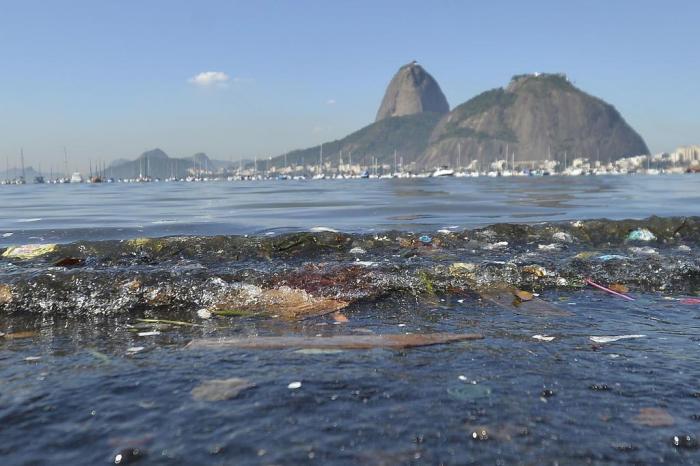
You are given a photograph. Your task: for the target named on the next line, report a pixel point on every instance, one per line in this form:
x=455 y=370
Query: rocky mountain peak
x=412 y=90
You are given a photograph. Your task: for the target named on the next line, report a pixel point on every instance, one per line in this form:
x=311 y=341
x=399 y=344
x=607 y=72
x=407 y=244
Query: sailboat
x=319 y=174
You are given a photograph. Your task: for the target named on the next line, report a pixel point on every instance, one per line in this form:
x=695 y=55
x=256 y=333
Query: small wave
x=29 y=220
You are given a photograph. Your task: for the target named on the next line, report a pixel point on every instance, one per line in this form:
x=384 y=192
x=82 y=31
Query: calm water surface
x=64 y=213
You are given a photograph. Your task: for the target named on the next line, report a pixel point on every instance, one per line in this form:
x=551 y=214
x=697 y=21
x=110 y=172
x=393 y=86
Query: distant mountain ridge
x=536 y=117
x=156 y=163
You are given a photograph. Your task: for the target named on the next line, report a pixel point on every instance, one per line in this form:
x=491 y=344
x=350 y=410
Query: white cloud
x=330 y=102
x=210 y=79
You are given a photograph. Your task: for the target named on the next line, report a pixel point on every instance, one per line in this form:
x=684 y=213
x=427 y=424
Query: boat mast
x=21 y=151
x=320 y=160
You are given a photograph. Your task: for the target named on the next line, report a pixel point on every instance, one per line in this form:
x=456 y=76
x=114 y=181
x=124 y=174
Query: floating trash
x=312 y=351
x=129 y=456
x=396 y=341
x=689 y=442
x=469 y=392
x=613 y=338
x=135 y=349
x=69 y=262
x=653 y=417
x=644 y=251
x=608 y=290
x=5 y=294
x=294 y=385
x=612 y=257
x=29 y=251
x=543 y=337
x=148 y=334
x=641 y=234
x=425 y=239
x=563 y=237
x=220 y=389
x=498 y=245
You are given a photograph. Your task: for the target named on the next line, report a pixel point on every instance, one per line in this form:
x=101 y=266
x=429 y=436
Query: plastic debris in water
x=645 y=251
x=523 y=295
x=543 y=337
x=220 y=389
x=5 y=294
x=610 y=339
x=619 y=288
x=563 y=237
x=499 y=245
x=685 y=441
x=641 y=234
x=294 y=385
x=425 y=239
x=536 y=270
x=29 y=251
x=148 y=334
x=135 y=349
x=611 y=257
x=128 y=456
x=653 y=417
x=601 y=287
x=357 y=342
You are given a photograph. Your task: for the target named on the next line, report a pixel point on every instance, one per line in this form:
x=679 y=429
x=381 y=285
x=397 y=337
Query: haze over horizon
x=111 y=80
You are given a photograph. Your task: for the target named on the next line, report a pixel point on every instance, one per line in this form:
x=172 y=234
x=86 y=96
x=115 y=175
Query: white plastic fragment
x=148 y=334
x=135 y=349
x=204 y=314
x=612 y=338
x=499 y=245
x=294 y=385
x=644 y=251
x=562 y=237
x=543 y=337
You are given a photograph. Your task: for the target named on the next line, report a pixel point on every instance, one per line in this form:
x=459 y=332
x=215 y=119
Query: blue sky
x=109 y=79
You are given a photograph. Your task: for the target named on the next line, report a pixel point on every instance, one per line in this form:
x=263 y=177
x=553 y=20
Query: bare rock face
x=412 y=90
x=536 y=117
